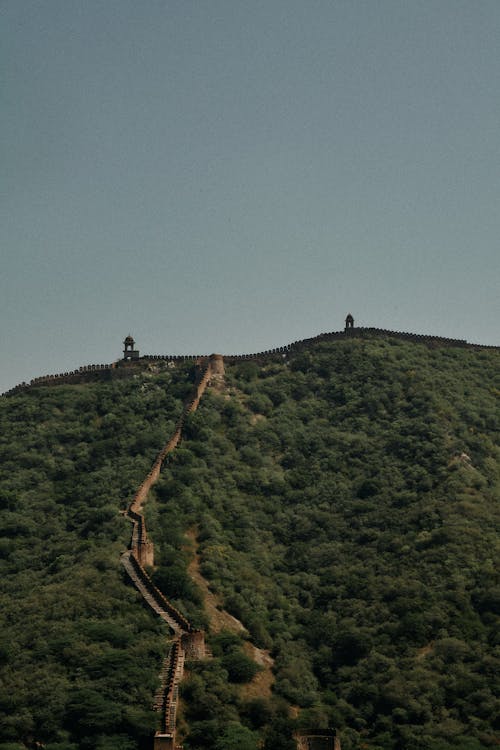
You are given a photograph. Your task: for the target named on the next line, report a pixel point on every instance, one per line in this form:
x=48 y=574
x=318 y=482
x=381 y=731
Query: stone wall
x=122 y=368
x=84 y=374
x=189 y=642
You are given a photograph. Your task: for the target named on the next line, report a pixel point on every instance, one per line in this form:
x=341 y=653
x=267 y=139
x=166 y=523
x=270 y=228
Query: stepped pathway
x=153 y=596
x=187 y=641
x=141 y=547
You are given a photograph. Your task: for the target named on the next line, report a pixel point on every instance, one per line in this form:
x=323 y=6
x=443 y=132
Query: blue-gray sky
x=233 y=175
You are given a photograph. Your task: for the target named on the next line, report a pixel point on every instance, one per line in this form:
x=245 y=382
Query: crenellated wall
x=174 y=668
x=141 y=547
x=188 y=642
x=178 y=623
x=122 y=368
x=84 y=374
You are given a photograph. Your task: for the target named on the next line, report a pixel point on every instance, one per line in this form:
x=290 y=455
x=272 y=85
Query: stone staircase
x=149 y=593
x=187 y=640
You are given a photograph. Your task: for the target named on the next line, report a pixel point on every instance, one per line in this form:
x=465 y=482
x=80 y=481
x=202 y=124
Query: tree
x=236 y=736
x=240 y=667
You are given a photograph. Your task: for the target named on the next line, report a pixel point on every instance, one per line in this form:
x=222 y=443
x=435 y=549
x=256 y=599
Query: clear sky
x=232 y=175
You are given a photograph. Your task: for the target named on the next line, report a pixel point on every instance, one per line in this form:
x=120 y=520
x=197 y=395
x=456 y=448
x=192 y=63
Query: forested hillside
x=344 y=504
x=79 y=655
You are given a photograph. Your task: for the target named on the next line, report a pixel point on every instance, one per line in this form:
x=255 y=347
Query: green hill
x=344 y=502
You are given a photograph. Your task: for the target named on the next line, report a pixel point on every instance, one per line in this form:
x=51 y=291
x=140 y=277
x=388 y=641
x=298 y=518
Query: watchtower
x=128 y=349
x=349 y=322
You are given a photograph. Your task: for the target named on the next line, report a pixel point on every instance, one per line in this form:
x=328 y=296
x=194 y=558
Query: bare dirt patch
x=256 y=418
x=422 y=652
x=219 y=619
x=262 y=684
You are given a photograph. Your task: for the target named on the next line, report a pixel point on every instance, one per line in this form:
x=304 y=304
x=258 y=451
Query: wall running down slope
x=186 y=642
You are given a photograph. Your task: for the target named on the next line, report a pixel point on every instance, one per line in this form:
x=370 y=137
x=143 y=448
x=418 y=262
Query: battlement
x=127 y=366
x=189 y=642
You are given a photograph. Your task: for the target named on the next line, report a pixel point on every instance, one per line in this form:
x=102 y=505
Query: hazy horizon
x=230 y=177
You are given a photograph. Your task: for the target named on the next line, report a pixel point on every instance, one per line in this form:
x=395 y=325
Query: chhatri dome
x=128 y=348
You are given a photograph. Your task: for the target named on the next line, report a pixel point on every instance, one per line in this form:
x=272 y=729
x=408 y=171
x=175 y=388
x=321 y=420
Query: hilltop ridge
x=87 y=373
x=345 y=502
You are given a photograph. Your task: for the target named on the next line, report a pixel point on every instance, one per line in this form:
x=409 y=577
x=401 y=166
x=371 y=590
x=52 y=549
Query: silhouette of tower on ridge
x=349 y=322
x=128 y=349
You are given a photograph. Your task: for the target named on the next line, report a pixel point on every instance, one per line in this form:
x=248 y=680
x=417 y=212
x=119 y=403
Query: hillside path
x=219 y=619
x=153 y=602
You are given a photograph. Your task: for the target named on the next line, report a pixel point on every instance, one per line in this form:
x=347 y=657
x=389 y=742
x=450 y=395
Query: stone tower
x=128 y=349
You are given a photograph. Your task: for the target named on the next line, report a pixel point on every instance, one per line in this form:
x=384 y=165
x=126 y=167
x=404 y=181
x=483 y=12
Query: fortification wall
x=122 y=369
x=189 y=641
x=183 y=625
x=281 y=352
x=84 y=374
x=360 y=333
x=141 y=547
x=174 y=668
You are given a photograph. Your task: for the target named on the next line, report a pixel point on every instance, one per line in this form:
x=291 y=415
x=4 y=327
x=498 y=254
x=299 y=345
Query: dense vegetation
x=79 y=655
x=345 y=503
x=347 y=506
